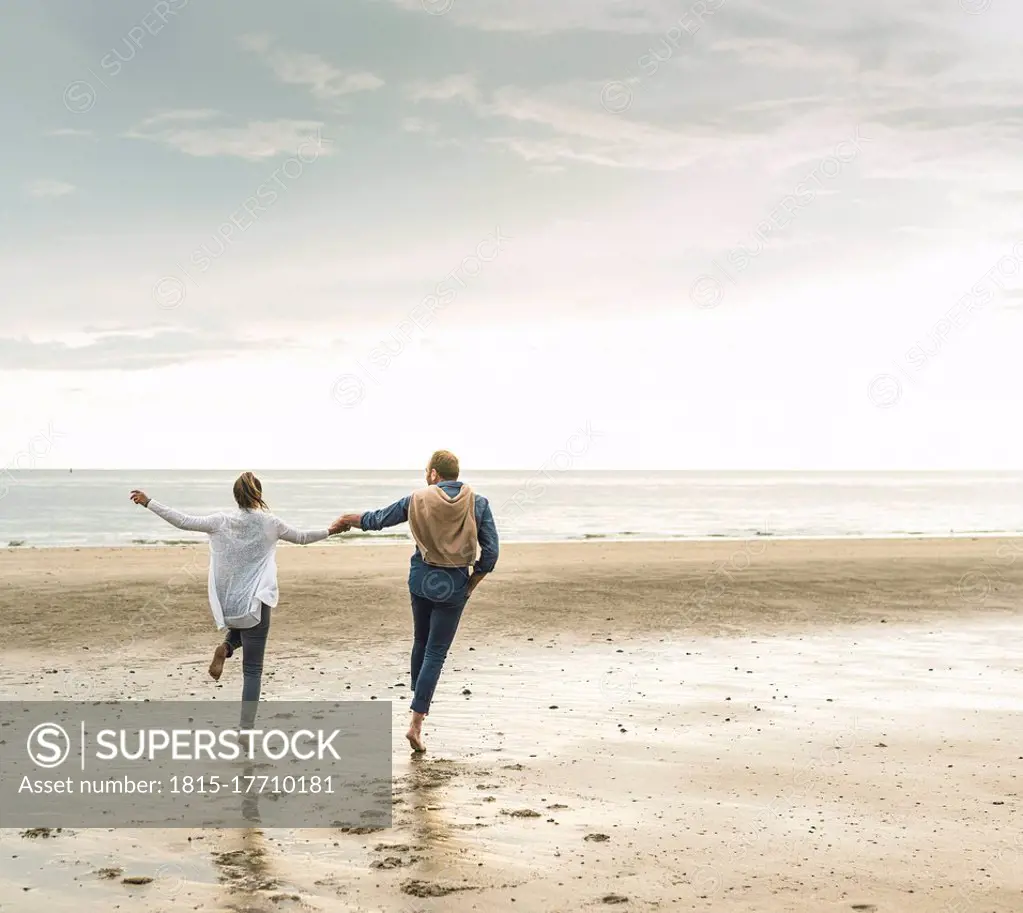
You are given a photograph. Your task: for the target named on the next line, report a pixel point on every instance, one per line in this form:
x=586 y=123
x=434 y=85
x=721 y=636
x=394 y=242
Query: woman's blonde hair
x=248 y=492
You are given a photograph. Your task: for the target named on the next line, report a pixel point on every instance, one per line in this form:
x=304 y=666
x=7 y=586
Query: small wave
x=365 y=535
x=620 y=534
x=333 y=540
x=735 y=535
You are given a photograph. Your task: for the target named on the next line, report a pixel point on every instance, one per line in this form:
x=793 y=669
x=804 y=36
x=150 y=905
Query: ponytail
x=248 y=492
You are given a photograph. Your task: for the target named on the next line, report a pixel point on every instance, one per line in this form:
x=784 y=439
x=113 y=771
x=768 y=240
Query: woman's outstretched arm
x=306 y=537
x=207 y=524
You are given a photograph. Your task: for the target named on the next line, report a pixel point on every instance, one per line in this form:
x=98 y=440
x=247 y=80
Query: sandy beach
x=745 y=726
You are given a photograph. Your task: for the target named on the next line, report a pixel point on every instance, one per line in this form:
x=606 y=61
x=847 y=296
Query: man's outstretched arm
x=380 y=519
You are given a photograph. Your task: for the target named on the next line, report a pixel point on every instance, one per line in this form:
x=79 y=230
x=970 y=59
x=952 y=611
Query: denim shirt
x=441 y=584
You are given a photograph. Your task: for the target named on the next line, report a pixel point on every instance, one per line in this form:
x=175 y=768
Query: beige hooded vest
x=444 y=527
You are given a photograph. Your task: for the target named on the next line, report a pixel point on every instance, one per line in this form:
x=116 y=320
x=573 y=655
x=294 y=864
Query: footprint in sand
x=417 y=888
x=391 y=862
x=45 y=832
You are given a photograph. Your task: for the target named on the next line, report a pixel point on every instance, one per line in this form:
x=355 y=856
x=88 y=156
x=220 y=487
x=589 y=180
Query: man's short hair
x=446 y=464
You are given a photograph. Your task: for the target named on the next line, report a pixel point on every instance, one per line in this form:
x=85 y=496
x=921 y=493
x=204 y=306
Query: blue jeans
x=252 y=642
x=435 y=624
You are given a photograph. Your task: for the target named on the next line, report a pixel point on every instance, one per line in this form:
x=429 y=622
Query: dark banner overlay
x=190 y=764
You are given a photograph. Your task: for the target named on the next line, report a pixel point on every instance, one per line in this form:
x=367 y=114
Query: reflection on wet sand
x=422 y=781
x=250 y=799
x=437 y=850
x=244 y=872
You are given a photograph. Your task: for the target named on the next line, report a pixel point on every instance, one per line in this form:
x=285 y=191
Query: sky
x=719 y=234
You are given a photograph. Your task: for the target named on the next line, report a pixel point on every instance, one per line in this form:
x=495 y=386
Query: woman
x=243 y=572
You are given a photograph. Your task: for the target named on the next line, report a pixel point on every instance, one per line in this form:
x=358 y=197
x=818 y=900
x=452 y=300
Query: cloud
x=299 y=68
x=417 y=125
x=125 y=351
x=755 y=78
x=324 y=80
x=181 y=114
x=49 y=188
x=191 y=133
x=255 y=42
x=782 y=54
x=71 y=131
x=545 y=16
x=571 y=130
x=457 y=86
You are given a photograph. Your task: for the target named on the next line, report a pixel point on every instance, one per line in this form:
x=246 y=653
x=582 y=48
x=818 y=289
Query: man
x=447 y=519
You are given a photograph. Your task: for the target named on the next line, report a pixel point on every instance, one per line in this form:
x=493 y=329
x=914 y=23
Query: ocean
x=48 y=508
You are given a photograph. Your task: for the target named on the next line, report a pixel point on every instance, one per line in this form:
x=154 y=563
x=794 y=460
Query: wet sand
x=761 y=726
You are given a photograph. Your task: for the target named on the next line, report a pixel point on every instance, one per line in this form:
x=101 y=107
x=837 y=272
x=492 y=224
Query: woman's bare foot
x=217 y=666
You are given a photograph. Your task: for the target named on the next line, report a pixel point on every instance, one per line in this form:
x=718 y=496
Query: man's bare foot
x=217 y=666
x=415 y=739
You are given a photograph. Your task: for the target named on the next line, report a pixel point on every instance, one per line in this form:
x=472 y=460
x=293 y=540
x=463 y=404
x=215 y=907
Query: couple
x=447 y=520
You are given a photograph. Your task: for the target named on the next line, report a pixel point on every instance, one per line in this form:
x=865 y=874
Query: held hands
x=344 y=523
x=140 y=497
